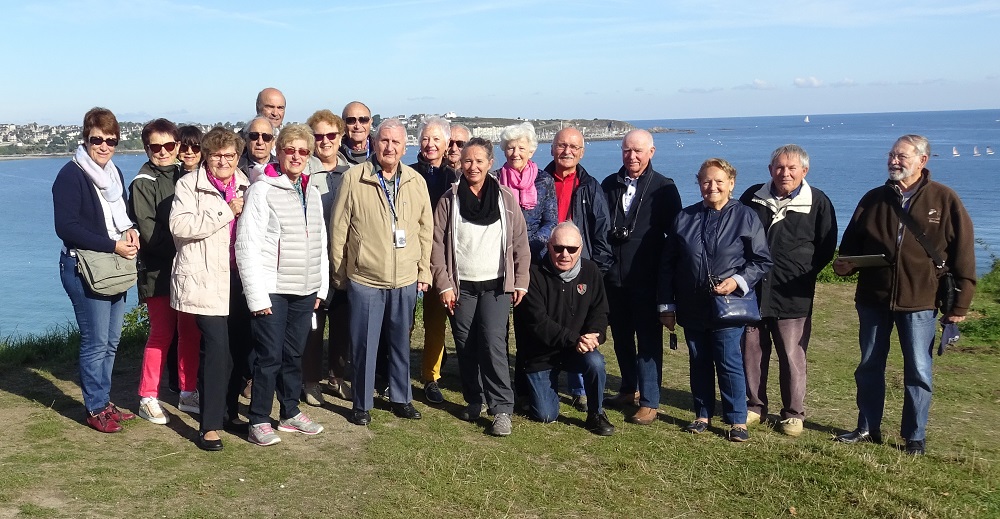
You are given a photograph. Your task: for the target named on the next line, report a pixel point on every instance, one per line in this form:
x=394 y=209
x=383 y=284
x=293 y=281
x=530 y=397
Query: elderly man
x=643 y=204
x=909 y=220
x=356 y=145
x=560 y=324
x=434 y=134
x=801 y=229
x=460 y=135
x=380 y=252
x=260 y=137
x=271 y=105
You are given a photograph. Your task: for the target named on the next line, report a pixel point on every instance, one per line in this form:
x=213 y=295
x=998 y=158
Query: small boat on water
x=975 y=151
x=806 y=119
x=989 y=150
x=954 y=151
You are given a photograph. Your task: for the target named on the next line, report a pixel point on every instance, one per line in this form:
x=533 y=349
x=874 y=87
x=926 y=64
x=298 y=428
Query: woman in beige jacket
x=203 y=220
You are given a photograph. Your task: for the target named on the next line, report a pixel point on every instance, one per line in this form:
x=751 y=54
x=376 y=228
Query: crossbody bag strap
x=918 y=233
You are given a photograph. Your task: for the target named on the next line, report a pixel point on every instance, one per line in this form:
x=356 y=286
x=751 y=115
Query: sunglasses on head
x=329 y=136
x=96 y=141
x=260 y=135
x=558 y=249
x=156 y=148
x=364 y=119
x=193 y=148
x=460 y=144
x=291 y=151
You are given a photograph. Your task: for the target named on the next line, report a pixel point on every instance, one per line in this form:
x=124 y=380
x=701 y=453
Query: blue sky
x=205 y=62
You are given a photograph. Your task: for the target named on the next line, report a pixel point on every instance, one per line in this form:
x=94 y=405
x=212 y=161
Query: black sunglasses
x=460 y=144
x=558 y=249
x=194 y=148
x=96 y=141
x=260 y=135
x=364 y=119
x=155 y=148
x=329 y=136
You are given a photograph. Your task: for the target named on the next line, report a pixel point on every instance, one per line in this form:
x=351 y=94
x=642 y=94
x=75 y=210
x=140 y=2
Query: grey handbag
x=105 y=273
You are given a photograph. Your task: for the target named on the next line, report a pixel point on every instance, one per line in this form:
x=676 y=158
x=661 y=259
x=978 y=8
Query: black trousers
x=215 y=369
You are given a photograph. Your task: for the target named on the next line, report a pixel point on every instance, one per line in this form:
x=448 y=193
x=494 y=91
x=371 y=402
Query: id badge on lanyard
x=398 y=235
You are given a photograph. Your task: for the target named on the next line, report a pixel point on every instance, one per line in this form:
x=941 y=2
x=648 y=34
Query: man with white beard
x=925 y=234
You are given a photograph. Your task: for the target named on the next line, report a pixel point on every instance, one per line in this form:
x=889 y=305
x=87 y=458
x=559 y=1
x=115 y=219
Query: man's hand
x=668 y=319
x=843 y=267
x=952 y=319
x=587 y=342
x=423 y=287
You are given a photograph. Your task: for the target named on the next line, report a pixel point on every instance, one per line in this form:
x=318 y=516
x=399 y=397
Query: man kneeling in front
x=559 y=325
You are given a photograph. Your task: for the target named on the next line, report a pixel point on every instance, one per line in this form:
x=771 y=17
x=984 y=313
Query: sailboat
x=806 y=119
x=954 y=151
x=989 y=150
x=975 y=151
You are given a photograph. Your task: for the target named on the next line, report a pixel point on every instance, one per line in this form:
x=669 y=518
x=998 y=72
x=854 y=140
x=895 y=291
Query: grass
x=53 y=466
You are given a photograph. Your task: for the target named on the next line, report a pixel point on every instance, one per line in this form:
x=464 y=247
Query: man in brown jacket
x=903 y=292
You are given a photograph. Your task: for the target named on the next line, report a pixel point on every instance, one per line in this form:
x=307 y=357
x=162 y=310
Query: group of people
x=247 y=244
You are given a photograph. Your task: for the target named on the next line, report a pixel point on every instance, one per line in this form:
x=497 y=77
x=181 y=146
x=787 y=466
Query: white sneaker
x=791 y=427
x=149 y=409
x=501 y=425
x=752 y=418
x=190 y=403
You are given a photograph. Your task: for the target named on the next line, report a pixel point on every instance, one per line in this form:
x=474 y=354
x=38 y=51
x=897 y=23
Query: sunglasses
x=260 y=135
x=460 y=144
x=156 y=148
x=363 y=120
x=193 y=148
x=97 y=141
x=329 y=136
x=291 y=151
x=559 y=249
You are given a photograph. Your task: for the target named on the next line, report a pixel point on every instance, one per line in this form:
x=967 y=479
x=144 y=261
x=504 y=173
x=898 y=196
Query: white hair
x=516 y=132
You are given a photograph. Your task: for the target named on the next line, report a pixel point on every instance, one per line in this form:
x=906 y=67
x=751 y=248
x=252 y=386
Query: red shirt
x=564 y=194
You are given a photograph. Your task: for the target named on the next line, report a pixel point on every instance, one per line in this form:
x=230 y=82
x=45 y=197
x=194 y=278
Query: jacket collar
x=801 y=203
x=201 y=182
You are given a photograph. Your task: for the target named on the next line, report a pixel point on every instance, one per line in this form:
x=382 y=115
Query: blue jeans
x=279 y=339
x=916 y=340
x=100 y=321
x=543 y=385
x=718 y=349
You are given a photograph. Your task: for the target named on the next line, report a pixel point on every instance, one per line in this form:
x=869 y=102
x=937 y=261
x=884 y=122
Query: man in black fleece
x=559 y=325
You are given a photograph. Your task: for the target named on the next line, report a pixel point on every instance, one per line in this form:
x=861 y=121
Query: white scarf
x=108 y=184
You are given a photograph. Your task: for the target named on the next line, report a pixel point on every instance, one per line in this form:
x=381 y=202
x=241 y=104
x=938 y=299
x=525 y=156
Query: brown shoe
x=644 y=416
x=622 y=400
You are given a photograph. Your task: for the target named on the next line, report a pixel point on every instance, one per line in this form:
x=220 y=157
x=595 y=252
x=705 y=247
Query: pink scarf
x=522 y=183
x=228 y=191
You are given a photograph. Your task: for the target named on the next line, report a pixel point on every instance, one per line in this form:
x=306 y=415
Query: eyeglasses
x=460 y=144
x=364 y=119
x=565 y=146
x=329 y=136
x=218 y=157
x=97 y=141
x=260 y=135
x=193 y=148
x=156 y=148
x=291 y=151
x=899 y=156
x=559 y=249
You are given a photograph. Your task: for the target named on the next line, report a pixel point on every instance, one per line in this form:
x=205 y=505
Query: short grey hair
x=462 y=126
x=249 y=124
x=791 y=149
x=389 y=124
x=434 y=121
x=516 y=132
x=919 y=142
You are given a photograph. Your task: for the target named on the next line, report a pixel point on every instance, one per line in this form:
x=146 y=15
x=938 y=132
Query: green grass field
x=51 y=465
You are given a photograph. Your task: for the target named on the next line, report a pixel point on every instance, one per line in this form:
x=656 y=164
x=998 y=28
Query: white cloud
x=757 y=84
x=698 y=90
x=807 y=82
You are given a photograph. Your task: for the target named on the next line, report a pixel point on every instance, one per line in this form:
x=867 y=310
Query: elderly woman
x=715 y=248
x=534 y=193
x=88 y=198
x=281 y=254
x=479 y=232
x=204 y=281
x=328 y=130
x=190 y=149
x=434 y=133
x=150 y=197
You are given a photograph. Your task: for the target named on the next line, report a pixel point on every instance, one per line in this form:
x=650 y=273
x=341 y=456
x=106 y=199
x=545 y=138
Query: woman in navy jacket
x=716 y=247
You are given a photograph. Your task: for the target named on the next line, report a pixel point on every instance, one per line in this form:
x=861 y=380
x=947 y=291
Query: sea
x=847 y=158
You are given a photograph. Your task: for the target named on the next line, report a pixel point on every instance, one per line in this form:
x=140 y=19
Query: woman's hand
x=727 y=287
x=448 y=299
x=517 y=296
x=236 y=206
x=668 y=319
x=125 y=248
x=266 y=311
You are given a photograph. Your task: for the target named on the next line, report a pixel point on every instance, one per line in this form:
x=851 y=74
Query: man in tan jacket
x=380 y=248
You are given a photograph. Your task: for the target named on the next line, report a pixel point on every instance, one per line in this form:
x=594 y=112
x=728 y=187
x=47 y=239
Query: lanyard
x=388 y=198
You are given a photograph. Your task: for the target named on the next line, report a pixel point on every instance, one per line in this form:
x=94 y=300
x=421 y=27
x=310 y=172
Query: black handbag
x=729 y=310
x=947 y=291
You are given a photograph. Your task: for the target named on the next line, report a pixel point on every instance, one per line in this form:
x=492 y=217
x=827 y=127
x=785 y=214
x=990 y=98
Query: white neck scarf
x=108 y=184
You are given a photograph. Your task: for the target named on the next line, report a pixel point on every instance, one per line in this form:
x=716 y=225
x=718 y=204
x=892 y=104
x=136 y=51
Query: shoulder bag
x=729 y=310
x=105 y=273
x=947 y=291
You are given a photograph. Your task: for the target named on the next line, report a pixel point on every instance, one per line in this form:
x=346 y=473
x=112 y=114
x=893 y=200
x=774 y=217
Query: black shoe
x=238 y=427
x=738 y=434
x=433 y=393
x=406 y=411
x=471 y=412
x=860 y=436
x=209 y=445
x=599 y=424
x=359 y=417
x=696 y=427
x=915 y=447
x=580 y=403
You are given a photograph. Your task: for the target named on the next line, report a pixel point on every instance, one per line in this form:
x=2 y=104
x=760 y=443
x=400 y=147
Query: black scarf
x=479 y=210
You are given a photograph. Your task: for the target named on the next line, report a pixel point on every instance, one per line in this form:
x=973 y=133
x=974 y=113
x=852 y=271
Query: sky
x=631 y=60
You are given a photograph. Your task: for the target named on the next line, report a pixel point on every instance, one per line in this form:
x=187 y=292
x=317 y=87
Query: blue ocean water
x=848 y=157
